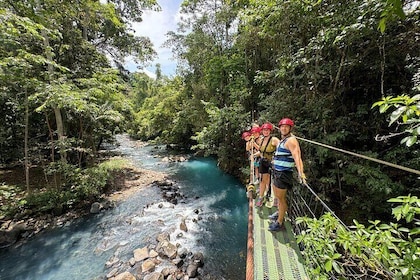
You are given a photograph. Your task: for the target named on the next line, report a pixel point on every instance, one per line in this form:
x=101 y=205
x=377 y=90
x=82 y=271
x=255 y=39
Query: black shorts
x=265 y=166
x=283 y=179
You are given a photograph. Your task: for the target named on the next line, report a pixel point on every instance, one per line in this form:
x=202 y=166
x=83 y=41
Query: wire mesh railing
x=304 y=202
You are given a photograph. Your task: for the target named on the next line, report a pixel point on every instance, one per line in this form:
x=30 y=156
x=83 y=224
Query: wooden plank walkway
x=276 y=254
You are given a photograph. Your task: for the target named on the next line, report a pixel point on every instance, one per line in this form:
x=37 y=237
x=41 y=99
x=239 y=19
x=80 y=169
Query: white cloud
x=155 y=25
x=148 y=73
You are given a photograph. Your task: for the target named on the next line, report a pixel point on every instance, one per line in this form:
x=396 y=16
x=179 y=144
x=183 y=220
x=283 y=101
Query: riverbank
x=134 y=180
x=125 y=183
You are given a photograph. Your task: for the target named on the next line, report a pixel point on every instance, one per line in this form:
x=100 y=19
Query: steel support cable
x=307 y=207
x=411 y=170
x=325 y=205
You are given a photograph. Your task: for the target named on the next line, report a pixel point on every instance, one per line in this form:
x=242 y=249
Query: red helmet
x=255 y=129
x=246 y=134
x=267 y=126
x=286 y=121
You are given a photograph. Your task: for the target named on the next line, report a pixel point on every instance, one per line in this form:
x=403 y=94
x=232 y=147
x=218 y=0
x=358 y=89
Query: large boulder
x=11 y=234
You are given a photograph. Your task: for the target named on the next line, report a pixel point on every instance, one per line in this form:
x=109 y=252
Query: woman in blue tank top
x=286 y=157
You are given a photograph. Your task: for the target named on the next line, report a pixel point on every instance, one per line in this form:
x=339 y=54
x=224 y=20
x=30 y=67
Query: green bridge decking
x=276 y=254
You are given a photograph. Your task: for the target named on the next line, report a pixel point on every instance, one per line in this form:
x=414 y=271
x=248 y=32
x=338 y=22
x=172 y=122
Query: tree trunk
x=57 y=111
x=28 y=189
x=51 y=133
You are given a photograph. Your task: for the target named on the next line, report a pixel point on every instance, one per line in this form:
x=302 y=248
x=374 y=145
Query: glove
x=302 y=179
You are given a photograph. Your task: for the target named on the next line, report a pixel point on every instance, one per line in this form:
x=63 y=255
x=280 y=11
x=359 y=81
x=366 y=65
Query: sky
x=155 y=25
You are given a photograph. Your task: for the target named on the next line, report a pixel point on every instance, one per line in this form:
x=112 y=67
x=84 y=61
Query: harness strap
x=265 y=147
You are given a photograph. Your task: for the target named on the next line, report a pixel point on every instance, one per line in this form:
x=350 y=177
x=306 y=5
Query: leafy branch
x=378 y=251
x=406 y=113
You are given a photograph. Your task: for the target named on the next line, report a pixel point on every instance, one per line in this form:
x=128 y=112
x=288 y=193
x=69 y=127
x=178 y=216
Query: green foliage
x=95 y=107
x=19 y=75
x=80 y=186
x=115 y=164
x=10 y=200
x=406 y=110
x=65 y=72
x=159 y=111
x=393 y=9
x=361 y=180
x=47 y=201
x=390 y=251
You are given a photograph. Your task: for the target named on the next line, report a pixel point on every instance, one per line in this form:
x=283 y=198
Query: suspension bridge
x=277 y=255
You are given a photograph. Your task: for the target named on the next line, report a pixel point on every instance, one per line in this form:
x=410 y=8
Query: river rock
x=95 y=208
x=153 y=254
x=124 y=276
x=11 y=234
x=198 y=258
x=154 y=276
x=112 y=273
x=163 y=236
x=182 y=253
x=111 y=262
x=192 y=270
x=141 y=254
x=167 y=249
x=148 y=265
x=178 y=262
x=183 y=226
x=169 y=271
x=108 y=204
x=164 y=183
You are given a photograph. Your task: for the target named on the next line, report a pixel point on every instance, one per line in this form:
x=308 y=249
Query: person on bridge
x=256 y=130
x=286 y=157
x=247 y=135
x=266 y=151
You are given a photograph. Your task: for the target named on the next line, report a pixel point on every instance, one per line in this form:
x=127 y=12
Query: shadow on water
x=81 y=249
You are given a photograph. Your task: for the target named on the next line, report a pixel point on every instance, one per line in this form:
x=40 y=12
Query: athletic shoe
x=274 y=216
x=276 y=226
x=260 y=201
